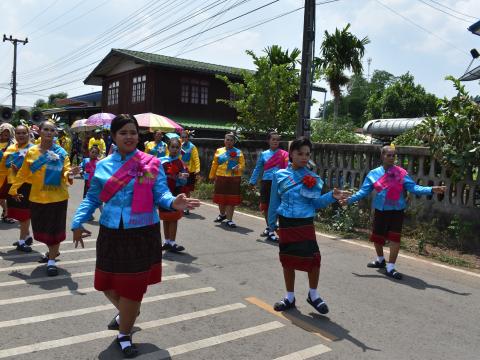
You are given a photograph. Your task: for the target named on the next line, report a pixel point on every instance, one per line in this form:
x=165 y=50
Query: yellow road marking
x=293 y=319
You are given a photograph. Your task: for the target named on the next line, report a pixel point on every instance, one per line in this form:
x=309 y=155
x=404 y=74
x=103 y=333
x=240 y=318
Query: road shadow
x=185 y=259
x=194 y=216
x=239 y=229
x=56 y=283
x=18 y=257
x=145 y=351
x=6 y=226
x=326 y=326
x=264 y=241
x=411 y=281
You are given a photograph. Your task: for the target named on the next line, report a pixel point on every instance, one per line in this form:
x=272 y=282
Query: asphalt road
x=215 y=302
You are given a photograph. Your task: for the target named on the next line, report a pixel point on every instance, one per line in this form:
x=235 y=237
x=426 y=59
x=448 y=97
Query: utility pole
x=306 y=76
x=369 y=61
x=14 y=73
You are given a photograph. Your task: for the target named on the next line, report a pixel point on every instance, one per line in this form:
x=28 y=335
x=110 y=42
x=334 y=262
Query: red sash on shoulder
x=279 y=159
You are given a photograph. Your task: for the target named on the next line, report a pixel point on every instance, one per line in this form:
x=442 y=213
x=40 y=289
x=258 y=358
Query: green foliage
x=401 y=99
x=330 y=132
x=340 y=51
x=454 y=135
x=267 y=98
x=409 y=138
x=203 y=190
x=53 y=97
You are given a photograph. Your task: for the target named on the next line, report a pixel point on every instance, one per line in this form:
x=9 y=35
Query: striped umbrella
x=81 y=126
x=100 y=119
x=157 y=122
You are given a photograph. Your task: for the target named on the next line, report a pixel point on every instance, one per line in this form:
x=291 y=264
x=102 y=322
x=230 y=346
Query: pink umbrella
x=100 y=119
x=157 y=122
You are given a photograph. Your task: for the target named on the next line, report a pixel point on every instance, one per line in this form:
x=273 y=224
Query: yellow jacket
x=38 y=194
x=66 y=143
x=193 y=163
x=3 y=169
x=220 y=167
x=10 y=173
x=100 y=143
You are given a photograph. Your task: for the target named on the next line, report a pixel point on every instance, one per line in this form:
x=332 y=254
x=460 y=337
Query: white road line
x=94 y=309
x=306 y=353
x=40 y=244
x=357 y=243
x=24 y=255
x=52 y=295
x=78 y=339
x=45 y=279
x=33 y=266
x=215 y=340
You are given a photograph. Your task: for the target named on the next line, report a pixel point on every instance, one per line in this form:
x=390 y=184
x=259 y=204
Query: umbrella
x=100 y=119
x=81 y=126
x=157 y=122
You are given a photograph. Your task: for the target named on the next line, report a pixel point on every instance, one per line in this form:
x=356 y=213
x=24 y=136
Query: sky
x=428 y=38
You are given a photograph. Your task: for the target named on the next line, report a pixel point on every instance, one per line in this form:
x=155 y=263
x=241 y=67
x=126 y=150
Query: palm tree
x=277 y=56
x=340 y=51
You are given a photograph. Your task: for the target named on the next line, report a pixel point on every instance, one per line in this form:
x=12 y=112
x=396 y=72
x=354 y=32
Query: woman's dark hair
x=298 y=143
x=231 y=134
x=120 y=121
x=44 y=122
x=271 y=133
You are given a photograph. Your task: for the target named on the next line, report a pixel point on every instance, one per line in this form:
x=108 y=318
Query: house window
x=112 y=94
x=194 y=91
x=138 y=88
x=185 y=96
x=204 y=92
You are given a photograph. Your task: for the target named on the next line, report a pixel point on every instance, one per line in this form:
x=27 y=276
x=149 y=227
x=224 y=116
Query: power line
x=422 y=28
x=455 y=11
x=39 y=14
x=443 y=11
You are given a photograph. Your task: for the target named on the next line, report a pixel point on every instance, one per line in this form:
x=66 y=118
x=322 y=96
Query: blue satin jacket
x=119 y=206
x=379 y=201
x=290 y=197
x=259 y=167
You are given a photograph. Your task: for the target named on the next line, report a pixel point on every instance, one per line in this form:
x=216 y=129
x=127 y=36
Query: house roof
x=473 y=74
x=116 y=56
x=199 y=123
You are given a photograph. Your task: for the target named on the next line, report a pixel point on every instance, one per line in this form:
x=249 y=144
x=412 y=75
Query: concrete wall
x=347 y=165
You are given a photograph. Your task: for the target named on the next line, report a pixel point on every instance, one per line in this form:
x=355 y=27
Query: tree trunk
x=336 y=104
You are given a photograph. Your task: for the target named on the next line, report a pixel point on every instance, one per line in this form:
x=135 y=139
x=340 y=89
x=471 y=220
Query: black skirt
x=128 y=260
x=49 y=221
x=20 y=210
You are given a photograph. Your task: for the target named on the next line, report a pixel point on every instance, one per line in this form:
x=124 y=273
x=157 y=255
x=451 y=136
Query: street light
x=475 y=28
x=324 y=91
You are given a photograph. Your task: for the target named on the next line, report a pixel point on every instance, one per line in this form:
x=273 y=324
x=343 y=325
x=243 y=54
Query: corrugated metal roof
x=473 y=74
x=198 y=123
x=117 y=55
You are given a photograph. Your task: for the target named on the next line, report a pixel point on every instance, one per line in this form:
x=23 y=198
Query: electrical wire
x=30 y=21
x=422 y=28
x=443 y=11
x=455 y=11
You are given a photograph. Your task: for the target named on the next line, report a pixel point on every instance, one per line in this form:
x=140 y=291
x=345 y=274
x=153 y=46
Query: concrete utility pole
x=14 y=73
x=306 y=77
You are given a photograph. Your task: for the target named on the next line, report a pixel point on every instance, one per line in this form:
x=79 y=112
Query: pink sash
x=279 y=159
x=144 y=169
x=90 y=170
x=392 y=180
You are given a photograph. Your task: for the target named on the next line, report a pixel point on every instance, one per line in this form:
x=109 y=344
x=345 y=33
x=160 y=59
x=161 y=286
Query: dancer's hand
x=439 y=189
x=341 y=194
x=78 y=235
x=14 y=167
x=181 y=202
x=343 y=202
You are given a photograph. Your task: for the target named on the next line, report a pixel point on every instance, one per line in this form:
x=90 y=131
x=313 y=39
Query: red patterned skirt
x=128 y=260
x=19 y=210
x=49 y=221
x=227 y=190
x=4 y=189
x=190 y=185
x=265 y=187
x=298 y=245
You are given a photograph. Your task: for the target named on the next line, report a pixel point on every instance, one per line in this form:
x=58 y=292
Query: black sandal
x=24 y=248
x=283 y=305
x=130 y=351
x=52 y=270
x=175 y=248
x=114 y=325
x=318 y=304
x=394 y=274
x=265 y=232
x=231 y=224
x=28 y=241
x=7 y=220
x=220 y=218
x=272 y=237
x=377 y=265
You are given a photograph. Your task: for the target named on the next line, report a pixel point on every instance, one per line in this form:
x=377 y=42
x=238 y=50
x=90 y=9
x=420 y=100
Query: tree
x=324 y=131
x=40 y=104
x=340 y=51
x=401 y=99
x=53 y=97
x=454 y=134
x=268 y=97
